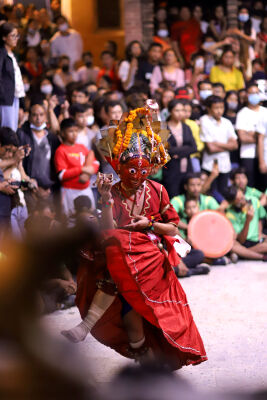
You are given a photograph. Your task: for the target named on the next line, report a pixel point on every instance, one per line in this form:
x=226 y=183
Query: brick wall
x=138 y=20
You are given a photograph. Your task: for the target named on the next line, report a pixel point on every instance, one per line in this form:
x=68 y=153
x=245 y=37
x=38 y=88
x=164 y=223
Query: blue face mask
x=254 y=99
x=204 y=94
x=243 y=17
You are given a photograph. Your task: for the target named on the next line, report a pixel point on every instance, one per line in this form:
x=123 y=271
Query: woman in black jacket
x=11 y=84
x=181 y=145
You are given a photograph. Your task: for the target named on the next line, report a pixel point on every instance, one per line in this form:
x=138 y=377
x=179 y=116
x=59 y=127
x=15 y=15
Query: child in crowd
x=75 y=164
x=219 y=137
x=246 y=215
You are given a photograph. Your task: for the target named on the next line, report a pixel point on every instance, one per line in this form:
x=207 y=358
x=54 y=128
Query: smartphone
x=61 y=99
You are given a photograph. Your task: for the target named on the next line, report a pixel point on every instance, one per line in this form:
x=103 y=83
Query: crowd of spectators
x=209 y=81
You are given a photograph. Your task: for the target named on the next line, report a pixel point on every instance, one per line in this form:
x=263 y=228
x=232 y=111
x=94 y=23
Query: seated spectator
x=258 y=70
x=220 y=139
x=87 y=72
x=47 y=28
x=247 y=120
x=108 y=69
x=168 y=76
x=246 y=216
x=128 y=67
x=64 y=75
x=193 y=189
x=146 y=67
x=186 y=35
x=226 y=73
x=75 y=164
x=204 y=91
x=218 y=90
x=66 y=41
x=240 y=180
x=181 y=145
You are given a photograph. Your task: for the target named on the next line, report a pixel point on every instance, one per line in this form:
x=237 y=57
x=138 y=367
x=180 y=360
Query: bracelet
x=151 y=222
x=108 y=203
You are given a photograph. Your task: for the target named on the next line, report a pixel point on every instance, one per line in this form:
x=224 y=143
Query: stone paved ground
x=230 y=309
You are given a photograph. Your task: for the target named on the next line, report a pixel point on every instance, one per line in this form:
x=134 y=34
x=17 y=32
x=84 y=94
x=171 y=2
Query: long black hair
x=128 y=50
x=5 y=29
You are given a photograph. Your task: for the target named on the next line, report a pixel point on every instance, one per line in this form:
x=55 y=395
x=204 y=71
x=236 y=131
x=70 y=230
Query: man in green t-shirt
x=246 y=215
x=193 y=188
x=240 y=180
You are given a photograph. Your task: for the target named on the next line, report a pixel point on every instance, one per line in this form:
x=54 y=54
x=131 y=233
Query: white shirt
x=216 y=131
x=261 y=128
x=86 y=140
x=247 y=120
x=70 y=45
x=19 y=86
x=123 y=73
x=16 y=176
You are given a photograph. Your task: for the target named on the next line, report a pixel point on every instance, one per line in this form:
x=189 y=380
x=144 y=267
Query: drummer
x=193 y=187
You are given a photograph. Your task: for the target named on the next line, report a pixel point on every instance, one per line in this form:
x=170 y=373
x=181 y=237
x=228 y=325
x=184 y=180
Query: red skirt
x=146 y=280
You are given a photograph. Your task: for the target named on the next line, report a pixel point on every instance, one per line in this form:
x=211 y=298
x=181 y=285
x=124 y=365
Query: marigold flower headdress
x=136 y=135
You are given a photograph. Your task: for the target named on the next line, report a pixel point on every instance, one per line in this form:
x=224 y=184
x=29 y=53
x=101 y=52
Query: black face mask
x=88 y=64
x=65 y=68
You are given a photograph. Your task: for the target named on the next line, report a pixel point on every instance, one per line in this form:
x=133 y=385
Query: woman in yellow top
x=226 y=73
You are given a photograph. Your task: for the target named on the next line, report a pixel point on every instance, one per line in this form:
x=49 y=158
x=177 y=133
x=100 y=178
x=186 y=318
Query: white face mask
x=163 y=33
x=26 y=87
x=46 y=89
x=90 y=120
x=63 y=27
x=208 y=44
x=38 y=128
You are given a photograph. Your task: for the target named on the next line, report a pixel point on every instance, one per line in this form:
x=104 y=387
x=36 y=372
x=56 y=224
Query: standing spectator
x=32 y=34
x=181 y=145
x=35 y=134
x=64 y=75
x=198 y=14
x=218 y=23
x=226 y=73
x=79 y=95
x=261 y=43
x=220 y=139
x=47 y=29
x=113 y=110
x=231 y=106
x=66 y=41
x=186 y=35
x=145 y=67
x=87 y=72
x=128 y=67
x=108 y=69
x=196 y=73
x=166 y=96
x=262 y=148
x=74 y=164
x=32 y=65
x=85 y=135
x=218 y=89
x=246 y=122
x=168 y=76
x=11 y=87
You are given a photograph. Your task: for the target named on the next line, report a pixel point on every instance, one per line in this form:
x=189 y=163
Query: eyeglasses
x=14 y=36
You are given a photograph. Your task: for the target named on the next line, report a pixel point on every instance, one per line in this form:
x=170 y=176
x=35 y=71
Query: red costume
x=141 y=267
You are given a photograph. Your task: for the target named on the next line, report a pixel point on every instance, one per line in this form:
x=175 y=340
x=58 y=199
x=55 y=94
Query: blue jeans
x=19 y=215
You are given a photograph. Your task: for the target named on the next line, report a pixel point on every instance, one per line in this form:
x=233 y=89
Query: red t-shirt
x=188 y=35
x=69 y=161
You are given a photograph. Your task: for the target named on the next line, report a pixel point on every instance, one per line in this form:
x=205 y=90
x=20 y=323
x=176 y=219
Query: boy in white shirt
x=219 y=137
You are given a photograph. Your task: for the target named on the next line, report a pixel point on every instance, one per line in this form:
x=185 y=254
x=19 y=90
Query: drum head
x=211 y=232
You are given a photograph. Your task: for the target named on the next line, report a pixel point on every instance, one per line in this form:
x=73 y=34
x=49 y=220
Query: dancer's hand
x=141 y=223
x=104 y=186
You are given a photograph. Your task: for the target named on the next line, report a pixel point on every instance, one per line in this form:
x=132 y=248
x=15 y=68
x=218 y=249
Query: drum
x=211 y=232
